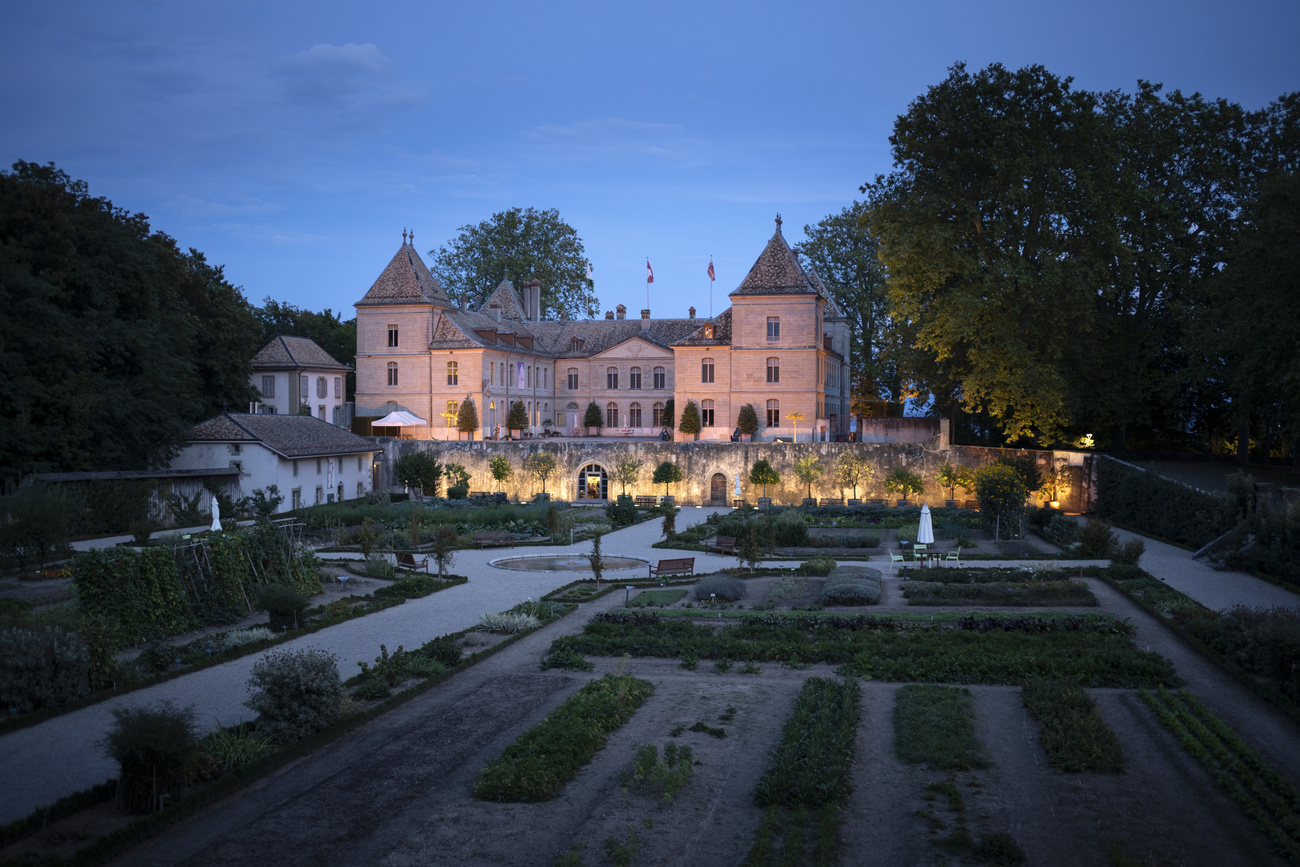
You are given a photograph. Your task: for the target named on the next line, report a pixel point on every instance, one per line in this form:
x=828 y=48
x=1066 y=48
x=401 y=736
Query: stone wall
x=700 y=461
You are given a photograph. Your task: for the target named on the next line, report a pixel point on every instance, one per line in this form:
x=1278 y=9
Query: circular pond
x=565 y=563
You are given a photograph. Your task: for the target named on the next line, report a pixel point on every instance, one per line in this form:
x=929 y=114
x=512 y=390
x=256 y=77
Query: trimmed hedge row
x=1159 y=507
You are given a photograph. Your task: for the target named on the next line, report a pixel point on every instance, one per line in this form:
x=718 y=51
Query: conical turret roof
x=777 y=271
x=406 y=280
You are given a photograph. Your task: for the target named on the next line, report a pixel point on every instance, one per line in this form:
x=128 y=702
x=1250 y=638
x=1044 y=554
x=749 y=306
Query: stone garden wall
x=700 y=461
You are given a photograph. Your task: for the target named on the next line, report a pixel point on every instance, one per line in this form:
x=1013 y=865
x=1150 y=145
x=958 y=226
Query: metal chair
x=895 y=558
x=955 y=555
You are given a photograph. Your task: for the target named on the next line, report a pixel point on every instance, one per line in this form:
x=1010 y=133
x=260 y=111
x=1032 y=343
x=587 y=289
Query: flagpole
x=710 y=288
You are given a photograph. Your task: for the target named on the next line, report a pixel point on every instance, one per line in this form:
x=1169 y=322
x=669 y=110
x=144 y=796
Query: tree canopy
x=113 y=340
x=521 y=244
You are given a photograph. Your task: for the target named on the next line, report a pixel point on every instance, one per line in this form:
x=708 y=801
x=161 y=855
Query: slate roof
x=406 y=280
x=505 y=297
x=459 y=329
x=777 y=271
x=295 y=352
x=721 y=332
x=292 y=436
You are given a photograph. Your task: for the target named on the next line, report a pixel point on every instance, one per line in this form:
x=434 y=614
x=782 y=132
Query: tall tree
x=112 y=340
x=844 y=256
x=980 y=227
x=522 y=244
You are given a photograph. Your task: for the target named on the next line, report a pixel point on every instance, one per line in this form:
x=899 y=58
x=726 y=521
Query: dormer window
x=575 y=344
x=708 y=331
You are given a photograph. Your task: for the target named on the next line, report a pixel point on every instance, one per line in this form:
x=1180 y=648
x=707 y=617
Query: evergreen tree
x=467 y=418
x=747 y=420
x=518 y=417
x=667 y=473
x=593 y=417
x=690 y=419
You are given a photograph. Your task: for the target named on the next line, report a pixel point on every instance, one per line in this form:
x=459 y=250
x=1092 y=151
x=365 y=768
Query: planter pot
x=902 y=503
x=669 y=501
x=764 y=502
x=810 y=501
x=593 y=431
x=950 y=504
x=853 y=501
x=1055 y=504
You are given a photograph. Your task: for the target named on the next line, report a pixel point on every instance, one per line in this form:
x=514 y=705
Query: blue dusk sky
x=292 y=142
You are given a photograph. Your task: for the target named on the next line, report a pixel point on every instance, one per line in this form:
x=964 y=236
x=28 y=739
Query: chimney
x=496 y=312
x=464 y=304
x=609 y=314
x=535 y=299
x=622 y=311
x=564 y=316
x=692 y=312
x=645 y=319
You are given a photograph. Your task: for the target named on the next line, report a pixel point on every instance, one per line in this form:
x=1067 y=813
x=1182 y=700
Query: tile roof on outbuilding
x=406 y=280
x=292 y=436
x=777 y=271
x=295 y=353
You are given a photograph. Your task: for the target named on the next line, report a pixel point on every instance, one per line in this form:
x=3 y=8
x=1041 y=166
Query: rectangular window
x=661 y=378
x=297 y=498
x=320 y=412
x=706 y=370
x=774 y=413
x=706 y=413
x=611 y=378
x=268 y=386
x=392 y=335
x=492 y=371
x=295 y=469
x=322 y=387
x=338 y=387
x=318 y=466
x=658 y=415
x=303 y=386
x=320 y=495
x=774 y=328
x=634 y=378
x=611 y=416
x=774 y=370
x=361 y=491
x=634 y=415
x=573 y=379
x=453 y=372
x=392 y=373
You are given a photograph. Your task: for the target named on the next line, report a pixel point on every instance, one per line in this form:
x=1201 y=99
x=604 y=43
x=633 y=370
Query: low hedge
x=852 y=587
x=547 y=756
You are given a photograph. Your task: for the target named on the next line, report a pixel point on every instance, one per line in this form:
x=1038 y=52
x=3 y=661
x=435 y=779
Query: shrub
x=721 y=587
x=623 y=512
x=904 y=482
x=790 y=529
x=821 y=566
x=296 y=693
x=458 y=492
x=43 y=667
x=237 y=746
x=1001 y=492
x=150 y=746
x=442 y=649
x=1129 y=552
x=419 y=470
x=379 y=567
x=1096 y=539
x=1062 y=530
x=852 y=587
x=666 y=776
x=238 y=637
x=284 y=605
x=507 y=622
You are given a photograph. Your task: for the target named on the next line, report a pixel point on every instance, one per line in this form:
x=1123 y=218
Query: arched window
x=611 y=415
x=706 y=370
x=774 y=369
x=593 y=483
x=774 y=413
x=661 y=378
x=634 y=378
x=572 y=410
x=453 y=373
x=634 y=415
x=392 y=373
x=657 y=413
x=573 y=379
x=611 y=378
x=706 y=413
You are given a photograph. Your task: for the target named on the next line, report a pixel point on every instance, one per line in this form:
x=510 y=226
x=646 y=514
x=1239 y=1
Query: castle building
x=782 y=347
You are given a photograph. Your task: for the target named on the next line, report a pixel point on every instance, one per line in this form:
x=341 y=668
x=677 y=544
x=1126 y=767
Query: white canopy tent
x=398 y=418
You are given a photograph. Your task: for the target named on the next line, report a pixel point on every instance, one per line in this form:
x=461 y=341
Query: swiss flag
x=649 y=272
x=711 y=275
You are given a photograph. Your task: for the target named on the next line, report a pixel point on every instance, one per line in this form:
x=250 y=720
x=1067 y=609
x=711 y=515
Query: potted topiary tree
x=592 y=419
x=666 y=474
x=467 y=417
x=904 y=482
x=808 y=470
x=952 y=478
x=851 y=470
x=747 y=421
x=690 y=420
x=541 y=465
x=764 y=474
x=518 y=417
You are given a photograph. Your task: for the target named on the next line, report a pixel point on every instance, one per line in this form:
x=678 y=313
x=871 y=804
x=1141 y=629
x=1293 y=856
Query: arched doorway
x=718 y=490
x=593 y=484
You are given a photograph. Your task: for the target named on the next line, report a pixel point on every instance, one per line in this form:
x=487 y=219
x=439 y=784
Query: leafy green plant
x=1096 y=539
x=543 y=759
x=763 y=473
x=501 y=469
x=419 y=470
x=295 y=694
x=284 y=604
x=541 y=466
x=666 y=474
x=690 y=422
x=1073 y=734
x=820 y=566
x=904 y=482
x=853 y=469
x=852 y=586
x=1001 y=492
x=935 y=726
x=721 y=588
x=665 y=776
x=150 y=746
x=808 y=469
x=507 y=622
x=1128 y=552
x=45 y=666
x=237 y=746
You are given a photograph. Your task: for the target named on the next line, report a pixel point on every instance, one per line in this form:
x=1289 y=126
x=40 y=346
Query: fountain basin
x=565 y=563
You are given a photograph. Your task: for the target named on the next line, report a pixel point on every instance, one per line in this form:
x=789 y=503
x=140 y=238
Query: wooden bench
x=973 y=505
x=480 y=495
x=643 y=500
x=830 y=501
x=722 y=544
x=684 y=566
x=875 y=502
x=408 y=561
x=486 y=538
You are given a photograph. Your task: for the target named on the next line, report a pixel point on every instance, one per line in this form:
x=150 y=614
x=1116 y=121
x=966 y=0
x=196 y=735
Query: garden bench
x=480 y=495
x=408 y=561
x=643 y=500
x=684 y=566
x=722 y=544
x=830 y=501
x=973 y=505
x=876 y=502
x=485 y=538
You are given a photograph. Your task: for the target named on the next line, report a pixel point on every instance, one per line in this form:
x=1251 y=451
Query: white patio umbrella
x=925 y=532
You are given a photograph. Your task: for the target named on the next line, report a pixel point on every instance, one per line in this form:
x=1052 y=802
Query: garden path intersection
x=62 y=755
